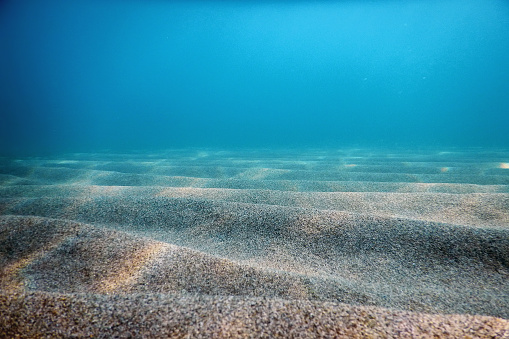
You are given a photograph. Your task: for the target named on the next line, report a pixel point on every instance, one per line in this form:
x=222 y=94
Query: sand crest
x=325 y=243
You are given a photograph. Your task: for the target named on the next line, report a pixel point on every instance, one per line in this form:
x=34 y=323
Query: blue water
x=132 y=75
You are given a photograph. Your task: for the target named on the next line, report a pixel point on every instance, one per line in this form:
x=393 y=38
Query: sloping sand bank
x=296 y=244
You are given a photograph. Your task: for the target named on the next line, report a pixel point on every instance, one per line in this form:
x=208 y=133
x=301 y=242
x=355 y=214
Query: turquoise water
x=145 y=75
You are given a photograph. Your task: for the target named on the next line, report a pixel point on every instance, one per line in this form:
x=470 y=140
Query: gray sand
x=263 y=244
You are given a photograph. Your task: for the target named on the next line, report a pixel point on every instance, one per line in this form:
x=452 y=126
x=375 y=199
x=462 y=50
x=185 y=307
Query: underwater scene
x=261 y=169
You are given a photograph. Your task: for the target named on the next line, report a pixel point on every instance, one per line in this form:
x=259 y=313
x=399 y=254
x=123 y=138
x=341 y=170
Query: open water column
x=254 y=168
x=93 y=75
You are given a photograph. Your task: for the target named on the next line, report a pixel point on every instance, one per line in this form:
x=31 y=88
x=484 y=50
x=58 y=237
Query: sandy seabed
x=349 y=243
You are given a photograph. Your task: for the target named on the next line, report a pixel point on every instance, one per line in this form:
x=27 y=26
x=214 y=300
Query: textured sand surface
x=348 y=243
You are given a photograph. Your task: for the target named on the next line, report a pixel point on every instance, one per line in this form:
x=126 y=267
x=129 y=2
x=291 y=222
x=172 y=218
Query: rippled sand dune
x=264 y=243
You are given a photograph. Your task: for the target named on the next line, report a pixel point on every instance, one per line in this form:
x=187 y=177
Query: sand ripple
x=347 y=243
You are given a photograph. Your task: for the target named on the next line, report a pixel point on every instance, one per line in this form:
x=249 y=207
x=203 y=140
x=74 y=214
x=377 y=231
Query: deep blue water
x=120 y=75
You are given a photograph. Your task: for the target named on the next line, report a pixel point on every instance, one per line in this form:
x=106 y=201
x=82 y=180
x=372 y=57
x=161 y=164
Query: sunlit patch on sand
x=258 y=173
x=66 y=162
x=123 y=277
x=11 y=275
x=200 y=155
x=504 y=165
